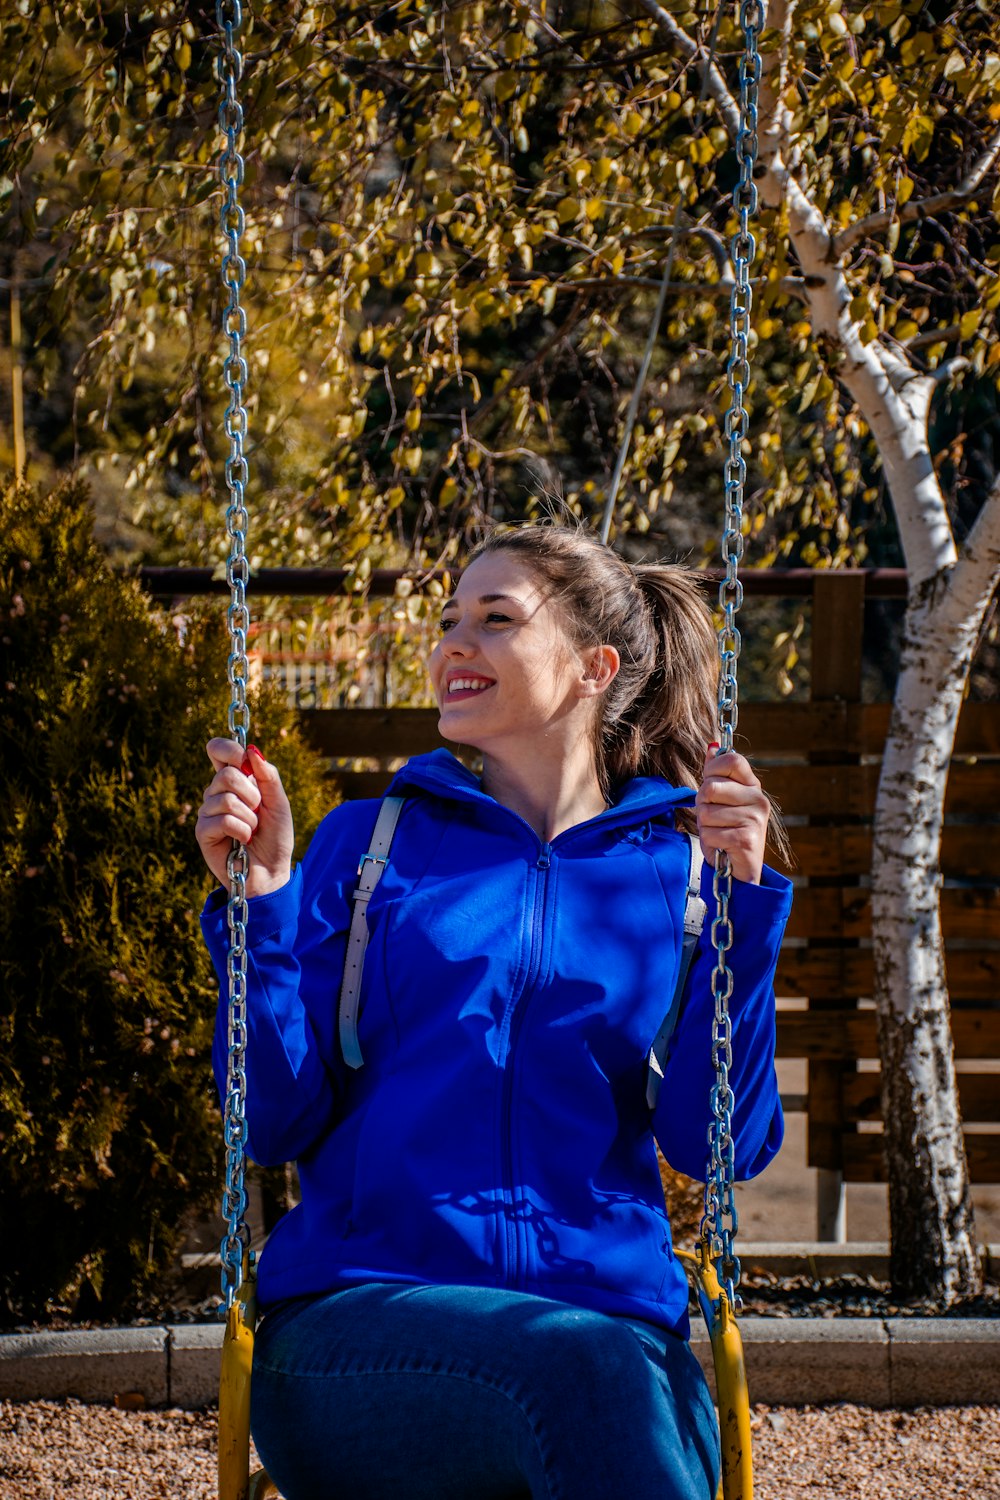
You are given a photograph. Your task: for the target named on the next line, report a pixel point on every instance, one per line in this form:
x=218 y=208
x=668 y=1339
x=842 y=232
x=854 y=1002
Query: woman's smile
x=466 y=685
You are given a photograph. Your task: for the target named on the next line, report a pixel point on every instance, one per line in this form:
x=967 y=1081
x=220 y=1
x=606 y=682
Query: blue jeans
x=475 y=1393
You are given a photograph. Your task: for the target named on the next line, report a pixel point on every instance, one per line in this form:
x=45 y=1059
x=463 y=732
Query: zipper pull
x=543 y=858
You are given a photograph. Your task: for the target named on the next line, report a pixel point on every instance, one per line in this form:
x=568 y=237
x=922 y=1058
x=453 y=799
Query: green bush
x=109 y=1129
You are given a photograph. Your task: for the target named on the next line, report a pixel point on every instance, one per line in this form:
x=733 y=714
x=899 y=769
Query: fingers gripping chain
x=234 y=1201
x=719 y=1223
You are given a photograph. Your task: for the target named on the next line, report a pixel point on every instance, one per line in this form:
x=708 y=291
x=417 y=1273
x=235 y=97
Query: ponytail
x=669 y=724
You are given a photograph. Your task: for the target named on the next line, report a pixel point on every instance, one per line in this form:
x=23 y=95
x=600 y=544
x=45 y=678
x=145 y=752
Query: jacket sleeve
x=296 y=941
x=684 y=1109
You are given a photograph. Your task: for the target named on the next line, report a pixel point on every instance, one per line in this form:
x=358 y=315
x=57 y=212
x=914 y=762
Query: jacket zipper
x=515 y=1270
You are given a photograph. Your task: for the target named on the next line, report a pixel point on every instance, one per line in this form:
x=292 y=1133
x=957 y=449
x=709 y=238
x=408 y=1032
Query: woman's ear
x=600 y=668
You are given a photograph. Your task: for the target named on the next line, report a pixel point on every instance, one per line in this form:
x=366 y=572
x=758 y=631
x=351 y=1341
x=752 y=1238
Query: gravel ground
x=67 y=1451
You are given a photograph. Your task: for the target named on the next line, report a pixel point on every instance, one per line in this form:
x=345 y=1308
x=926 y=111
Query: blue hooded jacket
x=498 y=1133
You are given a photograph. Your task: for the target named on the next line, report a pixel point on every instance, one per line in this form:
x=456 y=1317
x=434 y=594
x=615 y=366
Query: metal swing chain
x=236 y=1239
x=720 y=1223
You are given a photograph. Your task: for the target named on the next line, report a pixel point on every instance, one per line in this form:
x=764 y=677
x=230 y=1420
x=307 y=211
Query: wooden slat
x=766 y=729
x=849 y=791
x=355 y=785
x=847 y=851
x=972 y=914
x=845 y=1035
x=830 y=973
x=862 y=1157
x=979 y=1094
x=375 y=733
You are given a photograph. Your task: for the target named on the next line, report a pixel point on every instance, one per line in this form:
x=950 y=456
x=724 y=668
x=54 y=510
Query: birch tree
x=951 y=586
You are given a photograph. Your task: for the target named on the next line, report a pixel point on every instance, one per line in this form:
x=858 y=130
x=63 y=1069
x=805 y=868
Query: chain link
x=235 y=1241
x=720 y=1222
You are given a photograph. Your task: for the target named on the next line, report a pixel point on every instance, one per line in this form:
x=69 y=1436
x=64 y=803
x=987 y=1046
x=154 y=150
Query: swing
x=713 y=1266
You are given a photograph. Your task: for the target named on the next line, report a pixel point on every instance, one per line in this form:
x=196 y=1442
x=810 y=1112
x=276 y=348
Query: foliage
x=108 y=1117
x=457 y=220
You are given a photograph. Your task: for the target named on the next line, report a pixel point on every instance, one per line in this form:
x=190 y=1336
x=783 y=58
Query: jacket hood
x=636 y=801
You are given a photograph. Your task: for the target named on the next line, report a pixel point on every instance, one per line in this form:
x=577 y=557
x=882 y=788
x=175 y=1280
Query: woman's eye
x=447 y=625
x=494 y=618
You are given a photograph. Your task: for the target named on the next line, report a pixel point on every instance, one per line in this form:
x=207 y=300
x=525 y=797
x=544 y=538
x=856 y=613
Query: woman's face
x=506 y=668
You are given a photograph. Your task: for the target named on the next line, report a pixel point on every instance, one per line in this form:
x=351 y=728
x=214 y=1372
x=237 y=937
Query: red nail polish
x=247 y=766
x=714 y=745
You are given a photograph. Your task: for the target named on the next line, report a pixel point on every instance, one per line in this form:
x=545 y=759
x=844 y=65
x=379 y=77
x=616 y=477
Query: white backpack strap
x=369 y=874
x=694 y=921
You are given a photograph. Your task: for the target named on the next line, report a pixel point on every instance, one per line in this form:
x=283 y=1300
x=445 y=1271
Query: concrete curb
x=790 y=1362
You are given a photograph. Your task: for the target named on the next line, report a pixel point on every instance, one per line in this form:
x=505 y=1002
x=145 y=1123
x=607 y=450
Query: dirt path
x=67 y=1451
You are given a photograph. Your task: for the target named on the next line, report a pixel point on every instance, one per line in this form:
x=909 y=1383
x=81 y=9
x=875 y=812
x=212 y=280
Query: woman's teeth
x=467 y=685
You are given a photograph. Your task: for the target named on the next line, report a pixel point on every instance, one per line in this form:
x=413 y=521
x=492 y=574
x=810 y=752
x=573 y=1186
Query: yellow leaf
x=904 y=190
x=593 y=208
x=567 y=210
x=505 y=87
x=969 y=322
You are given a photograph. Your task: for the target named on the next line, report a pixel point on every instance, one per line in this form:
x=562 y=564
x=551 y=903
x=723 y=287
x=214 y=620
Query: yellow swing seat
x=237 y=1483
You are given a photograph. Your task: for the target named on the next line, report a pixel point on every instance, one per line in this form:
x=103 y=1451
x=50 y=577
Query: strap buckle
x=376 y=859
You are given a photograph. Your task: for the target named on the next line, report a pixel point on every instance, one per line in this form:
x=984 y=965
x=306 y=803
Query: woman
x=477 y=1296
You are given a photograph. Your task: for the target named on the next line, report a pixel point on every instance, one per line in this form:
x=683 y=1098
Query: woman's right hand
x=250 y=807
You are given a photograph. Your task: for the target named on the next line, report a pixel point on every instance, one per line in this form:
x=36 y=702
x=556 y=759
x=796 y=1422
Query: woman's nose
x=455 y=643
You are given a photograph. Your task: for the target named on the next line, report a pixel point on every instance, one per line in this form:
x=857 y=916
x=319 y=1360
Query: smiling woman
x=478 y=1295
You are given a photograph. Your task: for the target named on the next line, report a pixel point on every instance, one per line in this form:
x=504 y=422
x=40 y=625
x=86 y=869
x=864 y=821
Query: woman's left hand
x=733 y=814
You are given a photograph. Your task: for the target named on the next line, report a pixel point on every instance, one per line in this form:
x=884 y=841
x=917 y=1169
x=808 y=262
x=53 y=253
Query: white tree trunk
x=930 y=1210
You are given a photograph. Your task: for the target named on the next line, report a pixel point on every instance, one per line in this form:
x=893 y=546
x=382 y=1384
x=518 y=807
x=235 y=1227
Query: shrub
x=109 y=1127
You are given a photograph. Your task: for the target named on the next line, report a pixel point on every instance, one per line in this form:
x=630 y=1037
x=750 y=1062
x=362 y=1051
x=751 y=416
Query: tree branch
x=716 y=244
x=789 y=286
x=975 y=578
x=716 y=84
x=937 y=203
x=894 y=398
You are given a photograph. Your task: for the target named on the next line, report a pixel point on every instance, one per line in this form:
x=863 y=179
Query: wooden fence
x=820 y=760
